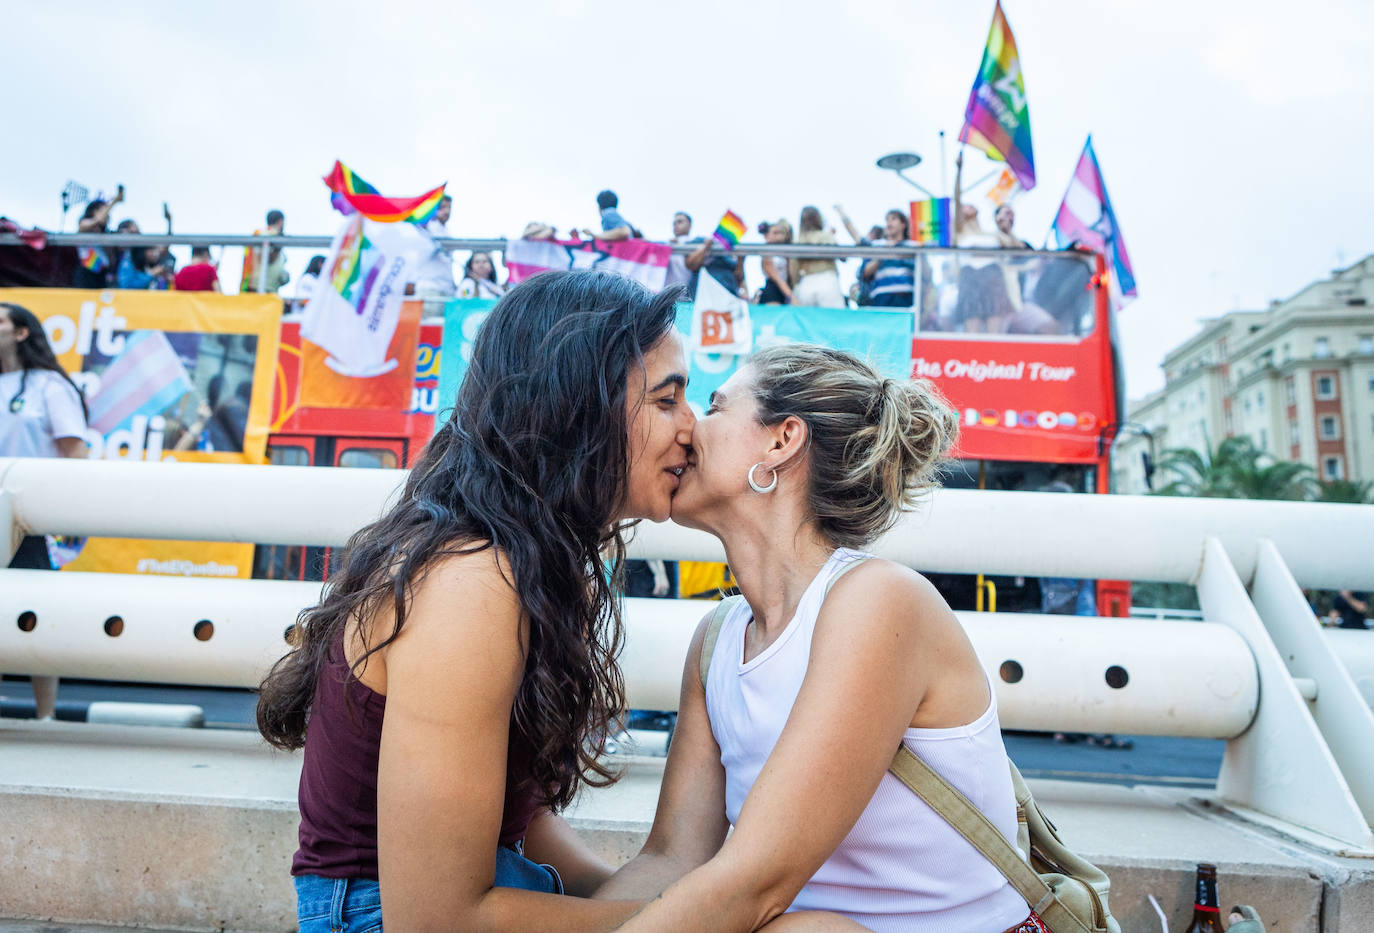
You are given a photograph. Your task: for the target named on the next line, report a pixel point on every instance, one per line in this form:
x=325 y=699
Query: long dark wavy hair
x=534 y=462
x=34 y=350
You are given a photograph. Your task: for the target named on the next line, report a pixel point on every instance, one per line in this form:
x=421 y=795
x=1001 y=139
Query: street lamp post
x=899 y=162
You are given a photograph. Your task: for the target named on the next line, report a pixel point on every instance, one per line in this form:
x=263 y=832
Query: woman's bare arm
x=551 y=841
x=690 y=824
x=450 y=680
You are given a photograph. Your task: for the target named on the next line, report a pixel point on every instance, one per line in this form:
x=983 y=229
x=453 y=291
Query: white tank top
x=902 y=867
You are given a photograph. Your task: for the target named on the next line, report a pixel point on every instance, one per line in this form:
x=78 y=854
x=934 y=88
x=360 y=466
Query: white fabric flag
x=720 y=319
x=354 y=309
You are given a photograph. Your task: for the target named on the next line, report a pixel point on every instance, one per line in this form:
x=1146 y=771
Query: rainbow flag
x=730 y=230
x=930 y=224
x=93 y=259
x=351 y=193
x=997 y=119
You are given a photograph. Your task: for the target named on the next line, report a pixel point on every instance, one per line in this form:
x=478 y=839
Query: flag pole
x=944 y=166
x=958 y=194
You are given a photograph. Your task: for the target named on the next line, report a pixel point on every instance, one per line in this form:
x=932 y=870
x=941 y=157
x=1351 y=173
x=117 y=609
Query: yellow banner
x=184 y=376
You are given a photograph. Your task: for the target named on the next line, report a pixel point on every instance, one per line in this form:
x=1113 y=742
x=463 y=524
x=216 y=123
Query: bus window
x=288 y=455
x=369 y=458
x=984 y=291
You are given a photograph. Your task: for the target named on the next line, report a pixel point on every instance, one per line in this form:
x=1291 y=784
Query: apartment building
x=1297 y=378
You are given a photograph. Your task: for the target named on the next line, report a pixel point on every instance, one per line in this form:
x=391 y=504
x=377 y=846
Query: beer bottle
x=1206 y=907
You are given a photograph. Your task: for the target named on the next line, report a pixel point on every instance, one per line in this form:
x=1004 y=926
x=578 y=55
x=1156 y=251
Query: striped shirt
x=894 y=284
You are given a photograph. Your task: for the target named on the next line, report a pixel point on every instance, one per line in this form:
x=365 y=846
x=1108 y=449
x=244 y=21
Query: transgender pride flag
x=143 y=380
x=645 y=262
x=1086 y=217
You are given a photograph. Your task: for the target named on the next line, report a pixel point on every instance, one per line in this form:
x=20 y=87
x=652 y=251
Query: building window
x=1264 y=440
x=1329 y=428
x=1290 y=391
x=1326 y=387
x=1366 y=344
x=1331 y=467
x=1322 y=348
x=1371 y=383
x=1293 y=437
x=1247 y=406
x=1259 y=399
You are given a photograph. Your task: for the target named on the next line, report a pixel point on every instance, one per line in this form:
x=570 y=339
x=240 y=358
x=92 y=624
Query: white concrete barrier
x=1224 y=677
x=957 y=531
x=1051 y=672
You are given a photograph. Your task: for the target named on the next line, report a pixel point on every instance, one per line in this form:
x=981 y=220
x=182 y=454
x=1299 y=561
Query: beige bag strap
x=955 y=809
x=708 y=644
x=713 y=624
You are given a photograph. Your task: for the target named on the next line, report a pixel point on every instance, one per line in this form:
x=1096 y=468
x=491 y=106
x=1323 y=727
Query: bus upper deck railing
x=799 y=250
x=981 y=291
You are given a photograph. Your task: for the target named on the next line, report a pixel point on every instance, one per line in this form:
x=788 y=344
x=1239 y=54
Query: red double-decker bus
x=1022 y=344
x=375 y=438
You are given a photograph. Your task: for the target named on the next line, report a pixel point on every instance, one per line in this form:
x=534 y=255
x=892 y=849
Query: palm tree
x=1345 y=490
x=1236 y=469
x=1273 y=480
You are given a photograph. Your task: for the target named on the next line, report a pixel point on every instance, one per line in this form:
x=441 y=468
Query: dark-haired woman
x=479 y=278
x=144 y=267
x=95 y=264
x=42 y=414
x=459 y=674
x=891 y=282
x=829 y=661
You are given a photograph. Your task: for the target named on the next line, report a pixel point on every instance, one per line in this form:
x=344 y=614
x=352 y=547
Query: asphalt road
x=1150 y=760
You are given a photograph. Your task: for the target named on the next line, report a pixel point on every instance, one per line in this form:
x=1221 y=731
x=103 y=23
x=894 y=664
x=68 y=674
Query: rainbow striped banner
x=997 y=119
x=930 y=222
x=352 y=194
x=730 y=230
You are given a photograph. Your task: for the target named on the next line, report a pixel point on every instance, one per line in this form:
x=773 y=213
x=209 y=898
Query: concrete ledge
x=194 y=830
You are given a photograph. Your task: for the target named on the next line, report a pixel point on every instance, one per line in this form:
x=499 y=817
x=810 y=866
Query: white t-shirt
x=48 y=409
x=480 y=288
x=435 y=275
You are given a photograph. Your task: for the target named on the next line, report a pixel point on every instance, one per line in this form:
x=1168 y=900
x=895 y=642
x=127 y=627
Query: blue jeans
x=354 y=905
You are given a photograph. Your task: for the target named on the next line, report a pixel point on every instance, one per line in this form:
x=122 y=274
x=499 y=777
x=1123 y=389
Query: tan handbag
x=1066 y=891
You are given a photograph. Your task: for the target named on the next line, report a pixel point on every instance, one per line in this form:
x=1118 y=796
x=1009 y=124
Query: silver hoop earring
x=754 y=484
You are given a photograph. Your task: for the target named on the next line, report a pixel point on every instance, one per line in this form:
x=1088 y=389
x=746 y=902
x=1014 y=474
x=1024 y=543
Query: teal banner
x=462 y=318
x=883 y=337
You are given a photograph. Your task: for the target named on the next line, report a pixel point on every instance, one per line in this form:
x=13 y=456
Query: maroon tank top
x=338 y=790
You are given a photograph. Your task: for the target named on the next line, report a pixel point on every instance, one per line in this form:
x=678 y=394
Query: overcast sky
x=1234 y=137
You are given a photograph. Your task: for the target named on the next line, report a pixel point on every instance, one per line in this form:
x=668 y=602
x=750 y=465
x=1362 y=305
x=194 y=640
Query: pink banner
x=641 y=260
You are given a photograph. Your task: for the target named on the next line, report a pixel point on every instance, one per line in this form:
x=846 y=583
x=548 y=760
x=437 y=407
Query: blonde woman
x=817 y=281
x=828 y=663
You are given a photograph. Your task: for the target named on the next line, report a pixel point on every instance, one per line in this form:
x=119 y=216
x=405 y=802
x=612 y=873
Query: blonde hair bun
x=874 y=444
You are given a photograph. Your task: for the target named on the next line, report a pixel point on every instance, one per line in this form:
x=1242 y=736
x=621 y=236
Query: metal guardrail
x=125 y=240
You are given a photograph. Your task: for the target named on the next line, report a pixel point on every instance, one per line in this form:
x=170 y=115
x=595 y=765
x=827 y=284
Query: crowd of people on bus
x=955 y=292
